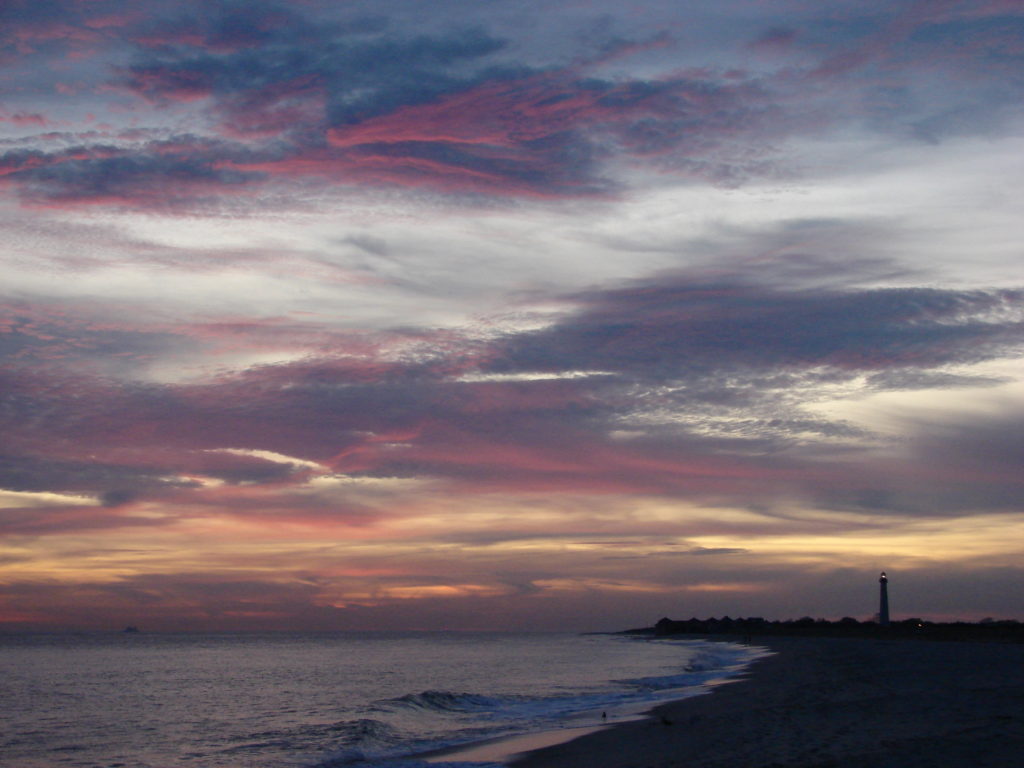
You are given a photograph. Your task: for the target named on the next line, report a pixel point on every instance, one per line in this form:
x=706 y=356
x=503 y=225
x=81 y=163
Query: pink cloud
x=54 y=30
x=275 y=109
x=503 y=114
x=15 y=163
x=113 y=19
x=889 y=45
x=43 y=521
x=365 y=166
x=775 y=41
x=157 y=38
x=26 y=119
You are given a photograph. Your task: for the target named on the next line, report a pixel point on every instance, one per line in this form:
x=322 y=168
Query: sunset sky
x=504 y=314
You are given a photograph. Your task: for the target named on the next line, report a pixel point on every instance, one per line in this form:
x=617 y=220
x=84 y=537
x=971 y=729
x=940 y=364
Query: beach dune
x=839 y=702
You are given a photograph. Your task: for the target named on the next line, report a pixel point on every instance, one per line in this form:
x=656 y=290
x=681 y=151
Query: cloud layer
x=357 y=317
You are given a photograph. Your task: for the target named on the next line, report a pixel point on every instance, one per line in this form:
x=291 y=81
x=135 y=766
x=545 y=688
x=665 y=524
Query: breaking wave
x=445 y=701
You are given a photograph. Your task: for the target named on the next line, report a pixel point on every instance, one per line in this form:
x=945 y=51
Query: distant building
x=883 y=600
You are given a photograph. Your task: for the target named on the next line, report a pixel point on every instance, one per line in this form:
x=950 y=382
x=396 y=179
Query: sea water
x=322 y=700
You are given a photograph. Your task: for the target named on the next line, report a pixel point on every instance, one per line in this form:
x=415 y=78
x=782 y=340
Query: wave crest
x=444 y=701
x=369 y=732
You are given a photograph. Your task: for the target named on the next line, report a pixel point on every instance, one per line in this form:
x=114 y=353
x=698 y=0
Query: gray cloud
x=686 y=326
x=714 y=371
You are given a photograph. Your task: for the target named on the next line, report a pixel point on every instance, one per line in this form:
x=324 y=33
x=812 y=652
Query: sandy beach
x=830 y=702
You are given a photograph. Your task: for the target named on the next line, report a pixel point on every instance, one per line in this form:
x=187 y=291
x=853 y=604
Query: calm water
x=319 y=701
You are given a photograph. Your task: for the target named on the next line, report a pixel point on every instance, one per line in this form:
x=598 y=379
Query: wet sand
x=836 y=702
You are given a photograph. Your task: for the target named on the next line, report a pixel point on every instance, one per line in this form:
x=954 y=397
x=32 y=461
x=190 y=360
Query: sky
x=504 y=314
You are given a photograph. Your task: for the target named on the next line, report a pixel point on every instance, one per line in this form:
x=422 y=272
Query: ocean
x=359 y=700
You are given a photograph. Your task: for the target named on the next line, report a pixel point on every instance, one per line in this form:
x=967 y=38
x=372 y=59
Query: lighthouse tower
x=883 y=600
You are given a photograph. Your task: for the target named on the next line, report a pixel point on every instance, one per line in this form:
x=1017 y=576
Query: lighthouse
x=883 y=600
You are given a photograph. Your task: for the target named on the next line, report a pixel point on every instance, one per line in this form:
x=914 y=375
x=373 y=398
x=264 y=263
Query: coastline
x=502 y=750
x=837 y=702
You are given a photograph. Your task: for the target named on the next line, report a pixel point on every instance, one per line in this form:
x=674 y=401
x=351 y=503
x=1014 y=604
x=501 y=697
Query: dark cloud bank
x=708 y=378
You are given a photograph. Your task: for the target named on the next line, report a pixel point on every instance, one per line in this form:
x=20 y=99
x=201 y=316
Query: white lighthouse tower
x=883 y=600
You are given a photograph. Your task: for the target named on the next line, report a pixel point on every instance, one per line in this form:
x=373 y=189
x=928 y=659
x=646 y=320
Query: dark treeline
x=987 y=629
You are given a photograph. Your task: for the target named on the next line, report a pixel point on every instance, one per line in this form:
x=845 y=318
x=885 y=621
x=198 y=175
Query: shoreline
x=836 y=702
x=504 y=750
